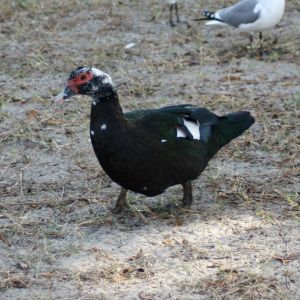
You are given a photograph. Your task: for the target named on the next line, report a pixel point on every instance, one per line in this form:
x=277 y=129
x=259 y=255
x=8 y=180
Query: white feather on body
x=107 y=79
x=270 y=15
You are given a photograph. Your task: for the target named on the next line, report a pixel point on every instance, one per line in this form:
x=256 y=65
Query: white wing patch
x=192 y=127
x=180 y=133
x=103 y=127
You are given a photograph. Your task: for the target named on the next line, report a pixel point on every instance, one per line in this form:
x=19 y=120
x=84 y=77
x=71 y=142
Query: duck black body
x=147 y=151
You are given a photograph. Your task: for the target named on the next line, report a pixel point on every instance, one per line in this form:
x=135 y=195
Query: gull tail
x=211 y=17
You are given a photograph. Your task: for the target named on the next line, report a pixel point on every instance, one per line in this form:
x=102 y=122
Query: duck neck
x=107 y=109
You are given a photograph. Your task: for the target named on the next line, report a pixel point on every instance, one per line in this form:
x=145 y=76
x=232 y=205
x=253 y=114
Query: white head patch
x=106 y=78
x=103 y=127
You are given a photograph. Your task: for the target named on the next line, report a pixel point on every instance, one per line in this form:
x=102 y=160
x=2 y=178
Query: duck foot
x=187 y=194
x=121 y=202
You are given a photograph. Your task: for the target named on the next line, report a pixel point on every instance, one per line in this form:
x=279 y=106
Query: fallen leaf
x=23 y=265
x=285 y=259
x=214 y=265
x=46 y=274
x=32 y=113
x=168 y=241
x=118 y=278
x=223 y=195
x=54 y=122
x=5 y=240
x=16 y=282
x=230 y=78
x=139 y=255
x=96 y=249
x=178 y=222
x=69 y=131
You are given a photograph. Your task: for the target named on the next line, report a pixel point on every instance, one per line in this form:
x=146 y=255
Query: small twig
x=13 y=220
x=62 y=193
x=21 y=182
x=285 y=250
x=281 y=233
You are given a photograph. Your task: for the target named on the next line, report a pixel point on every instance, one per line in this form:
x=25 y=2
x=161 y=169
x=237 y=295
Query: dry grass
x=58 y=239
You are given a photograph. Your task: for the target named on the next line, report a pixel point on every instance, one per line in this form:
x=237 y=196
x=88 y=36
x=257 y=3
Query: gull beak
x=63 y=95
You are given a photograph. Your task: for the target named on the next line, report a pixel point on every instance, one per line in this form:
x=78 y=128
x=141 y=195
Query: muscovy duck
x=147 y=151
x=248 y=15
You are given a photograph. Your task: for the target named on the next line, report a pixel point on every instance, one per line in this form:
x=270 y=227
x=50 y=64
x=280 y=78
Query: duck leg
x=187 y=194
x=121 y=202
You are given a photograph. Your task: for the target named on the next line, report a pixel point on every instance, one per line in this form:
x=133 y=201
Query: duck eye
x=83 y=77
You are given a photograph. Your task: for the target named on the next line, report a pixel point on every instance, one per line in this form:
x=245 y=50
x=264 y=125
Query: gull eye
x=83 y=77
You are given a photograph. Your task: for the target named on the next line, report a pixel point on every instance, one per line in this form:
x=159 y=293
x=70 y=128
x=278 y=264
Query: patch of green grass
x=10 y=8
x=297 y=100
x=292 y=199
x=260 y=212
x=2 y=101
x=26 y=4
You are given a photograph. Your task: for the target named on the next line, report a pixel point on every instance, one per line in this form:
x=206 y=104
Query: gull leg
x=187 y=194
x=171 y=15
x=260 y=38
x=121 y=202
x=260 y=44
x=251 y=40
x=174 y=6
x=177 y=14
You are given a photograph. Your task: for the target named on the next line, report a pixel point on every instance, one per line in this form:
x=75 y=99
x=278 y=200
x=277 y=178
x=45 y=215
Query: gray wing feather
x=240 y=13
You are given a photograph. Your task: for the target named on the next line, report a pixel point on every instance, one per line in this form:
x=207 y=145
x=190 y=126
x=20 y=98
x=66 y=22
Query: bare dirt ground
x=58 y=238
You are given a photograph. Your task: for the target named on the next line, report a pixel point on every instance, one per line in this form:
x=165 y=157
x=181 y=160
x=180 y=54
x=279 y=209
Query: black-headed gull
x=248 y=15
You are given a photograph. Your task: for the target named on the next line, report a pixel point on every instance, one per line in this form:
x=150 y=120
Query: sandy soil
x=58 y=238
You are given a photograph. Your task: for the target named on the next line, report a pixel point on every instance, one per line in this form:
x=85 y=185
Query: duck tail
x=228 y=128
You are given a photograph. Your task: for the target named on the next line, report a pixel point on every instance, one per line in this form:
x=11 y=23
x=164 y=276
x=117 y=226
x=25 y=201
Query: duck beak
x=63 y=95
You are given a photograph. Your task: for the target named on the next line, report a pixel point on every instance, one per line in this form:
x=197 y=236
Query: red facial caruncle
x=79 y=79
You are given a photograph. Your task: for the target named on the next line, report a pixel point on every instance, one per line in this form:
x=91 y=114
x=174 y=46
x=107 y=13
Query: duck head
x=87 y=81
